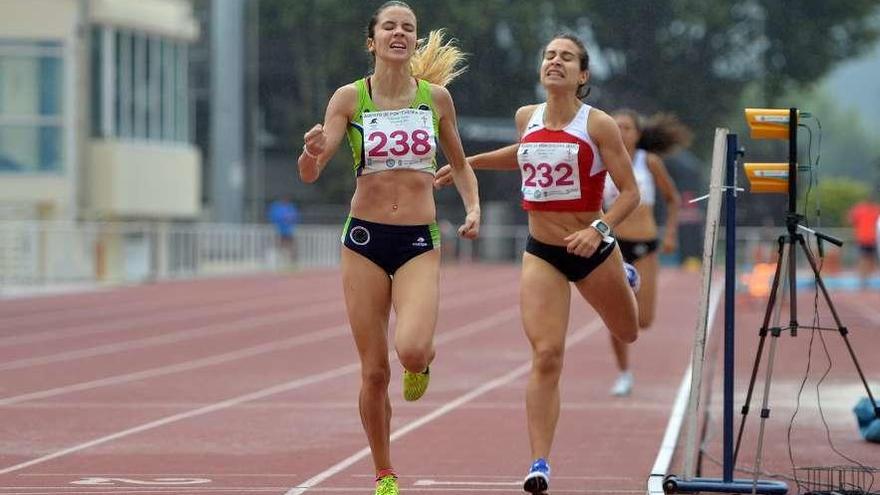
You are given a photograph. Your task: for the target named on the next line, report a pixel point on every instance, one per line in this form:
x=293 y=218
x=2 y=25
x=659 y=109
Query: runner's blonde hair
x=435 y=60
x=438 y=61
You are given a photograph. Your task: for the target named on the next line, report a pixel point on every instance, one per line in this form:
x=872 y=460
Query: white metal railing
x=318 y=245
x=40 y=252
x=760 y=245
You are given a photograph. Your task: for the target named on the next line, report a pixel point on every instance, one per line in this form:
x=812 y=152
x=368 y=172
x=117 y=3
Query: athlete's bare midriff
x=398 y=197
x=638 y=225
x=552 y=227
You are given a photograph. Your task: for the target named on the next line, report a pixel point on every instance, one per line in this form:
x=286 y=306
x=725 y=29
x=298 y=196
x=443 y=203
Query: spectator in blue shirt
x=284 y=215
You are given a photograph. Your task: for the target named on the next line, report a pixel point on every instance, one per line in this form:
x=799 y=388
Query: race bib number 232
x=549 y=171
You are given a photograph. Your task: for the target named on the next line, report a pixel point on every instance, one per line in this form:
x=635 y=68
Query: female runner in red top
x=566 y=149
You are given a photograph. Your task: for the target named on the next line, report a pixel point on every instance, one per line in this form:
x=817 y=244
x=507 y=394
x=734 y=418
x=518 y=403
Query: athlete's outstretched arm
x=461 y=171
x=321 y=141
x=504 y=158
x=499 y=159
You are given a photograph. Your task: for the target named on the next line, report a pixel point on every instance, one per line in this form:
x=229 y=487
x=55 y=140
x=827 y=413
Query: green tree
x=805 y=38
x=834 y=197
x=691 y=57
x=697 y=57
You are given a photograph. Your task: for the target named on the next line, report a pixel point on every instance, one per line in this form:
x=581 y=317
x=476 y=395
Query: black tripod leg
x=792 y=284
x=844 y=332
x=771 y=303
x=765 y=405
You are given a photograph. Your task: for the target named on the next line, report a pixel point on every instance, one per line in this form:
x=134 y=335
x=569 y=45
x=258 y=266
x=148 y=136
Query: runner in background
x=638 y=234
x=864 y=217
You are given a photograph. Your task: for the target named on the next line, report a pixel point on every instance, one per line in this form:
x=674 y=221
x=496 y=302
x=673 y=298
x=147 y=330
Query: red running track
x=814 y=382
x=249 y=385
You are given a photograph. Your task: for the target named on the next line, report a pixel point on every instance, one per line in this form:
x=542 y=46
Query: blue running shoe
x=632 y=277
x=538 y=479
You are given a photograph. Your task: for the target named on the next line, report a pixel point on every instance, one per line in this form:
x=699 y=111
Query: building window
x=31 y=82
x=141 y=82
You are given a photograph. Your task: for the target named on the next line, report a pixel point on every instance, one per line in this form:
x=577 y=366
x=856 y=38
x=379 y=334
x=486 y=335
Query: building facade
x=95 y=111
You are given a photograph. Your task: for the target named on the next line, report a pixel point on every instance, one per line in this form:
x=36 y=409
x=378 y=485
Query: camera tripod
x=786 y=267
x=764 y=124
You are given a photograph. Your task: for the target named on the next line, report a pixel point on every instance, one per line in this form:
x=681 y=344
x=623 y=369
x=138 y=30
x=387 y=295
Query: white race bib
x=549 y=171
x=399 y=139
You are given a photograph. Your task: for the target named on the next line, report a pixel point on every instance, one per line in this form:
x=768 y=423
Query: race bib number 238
x=399 y=139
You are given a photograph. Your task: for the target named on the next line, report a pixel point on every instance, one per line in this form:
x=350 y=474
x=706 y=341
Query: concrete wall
x=144 y=180
x=172 y=18
x=37 y=19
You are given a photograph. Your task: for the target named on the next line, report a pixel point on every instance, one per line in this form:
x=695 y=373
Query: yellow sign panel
x=767 y=177
x=768 y=123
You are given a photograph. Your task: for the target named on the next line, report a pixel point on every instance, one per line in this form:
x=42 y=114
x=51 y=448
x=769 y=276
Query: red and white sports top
x=561 y=170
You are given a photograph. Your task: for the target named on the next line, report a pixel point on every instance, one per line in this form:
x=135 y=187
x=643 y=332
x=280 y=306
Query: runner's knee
x=548 y=360
x=627 y=334
x=376 y=376
x=414 y=358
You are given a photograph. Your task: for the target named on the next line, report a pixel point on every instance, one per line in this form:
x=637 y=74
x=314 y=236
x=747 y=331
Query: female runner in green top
x=394 y=119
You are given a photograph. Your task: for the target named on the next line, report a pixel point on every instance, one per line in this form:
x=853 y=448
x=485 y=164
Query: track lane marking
x=465 y=331
x=454 y=404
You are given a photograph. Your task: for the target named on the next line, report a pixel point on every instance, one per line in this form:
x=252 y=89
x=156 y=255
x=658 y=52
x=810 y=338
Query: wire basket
x=838 y=480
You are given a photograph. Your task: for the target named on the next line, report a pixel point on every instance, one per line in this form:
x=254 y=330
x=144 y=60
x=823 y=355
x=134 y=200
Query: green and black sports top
x=385 y=140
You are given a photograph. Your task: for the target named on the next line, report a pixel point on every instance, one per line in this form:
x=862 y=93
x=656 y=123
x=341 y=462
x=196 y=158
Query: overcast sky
x=856 y=84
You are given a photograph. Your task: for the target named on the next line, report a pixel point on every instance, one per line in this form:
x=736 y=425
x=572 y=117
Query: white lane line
x=225 y=475
x=508 y=377
x=207 y=330
x=274 y=346
x=121 y=298
x=214 y=329
x=467 y=330
x=136 y=490
x=127 y=306
x=279 y=489
x=495 y=477
x=162 y=316
x=266 y=392
x=676 y=418
x=466 y=483
x=160 y=482
x=347 y=491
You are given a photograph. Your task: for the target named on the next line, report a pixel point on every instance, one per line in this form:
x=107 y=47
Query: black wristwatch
x=602 y=227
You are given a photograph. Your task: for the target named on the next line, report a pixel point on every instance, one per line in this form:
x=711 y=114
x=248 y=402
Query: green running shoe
x=387 y=485
x=415 y=384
